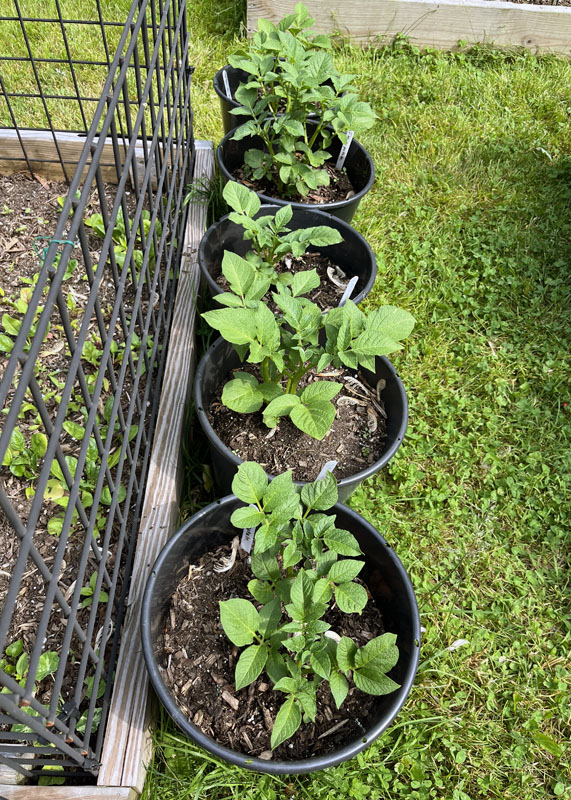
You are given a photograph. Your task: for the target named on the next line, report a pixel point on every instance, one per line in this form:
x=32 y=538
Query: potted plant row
x=296 y=144
x=279 y=628
x=310 y=646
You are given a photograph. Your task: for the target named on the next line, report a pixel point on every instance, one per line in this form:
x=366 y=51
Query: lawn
x=470 y=220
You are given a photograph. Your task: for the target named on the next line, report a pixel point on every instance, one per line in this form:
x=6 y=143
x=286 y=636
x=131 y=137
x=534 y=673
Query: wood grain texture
x=430 y=23
x=126 y=750
x=67 y=793
x=45 y=159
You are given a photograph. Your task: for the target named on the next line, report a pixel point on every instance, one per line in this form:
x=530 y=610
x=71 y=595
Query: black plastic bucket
x=384 y=575
x=354 y=254
x=221 y=357
x=358 y=165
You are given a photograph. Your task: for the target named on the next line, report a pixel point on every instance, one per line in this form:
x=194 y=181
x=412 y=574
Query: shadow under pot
x=353 y=255
x=358 y=166
x=388 y=584
x=221 y=358
x=227 y=102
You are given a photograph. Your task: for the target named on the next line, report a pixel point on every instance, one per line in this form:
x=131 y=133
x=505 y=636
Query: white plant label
x=247 y=539
x=226 y=83
x=348 y=291
x=344 y=150
x=329 y=466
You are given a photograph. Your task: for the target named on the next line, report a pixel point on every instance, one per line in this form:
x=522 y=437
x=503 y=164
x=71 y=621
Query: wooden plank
x=433 y=23
x=126 y=751
x=45 y=160
x=67 y=793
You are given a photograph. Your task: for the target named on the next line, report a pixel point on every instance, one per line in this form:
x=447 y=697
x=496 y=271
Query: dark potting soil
x=340 y=187
x=199 y=662
x=328 y=293
x=356 y=438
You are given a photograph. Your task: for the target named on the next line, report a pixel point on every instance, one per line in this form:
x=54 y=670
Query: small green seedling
x=271 y=239
x=299 y=572
x=88 y=593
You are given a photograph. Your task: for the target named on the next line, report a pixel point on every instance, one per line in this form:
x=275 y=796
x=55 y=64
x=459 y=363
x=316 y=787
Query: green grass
x=470 y=220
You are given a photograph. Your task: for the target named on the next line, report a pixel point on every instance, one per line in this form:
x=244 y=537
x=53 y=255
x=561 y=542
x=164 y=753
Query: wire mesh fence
x=83 y=338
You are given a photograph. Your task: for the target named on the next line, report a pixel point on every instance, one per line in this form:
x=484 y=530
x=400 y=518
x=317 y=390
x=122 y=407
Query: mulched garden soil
x=327 y=295
x=199 y=661
x=340 y=187
x=356 y=438
x=30 y=208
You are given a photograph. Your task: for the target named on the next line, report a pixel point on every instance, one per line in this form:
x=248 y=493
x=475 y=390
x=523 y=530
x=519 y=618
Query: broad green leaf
x=265 y=565
x=247 y=517
x=301 y=594
x=372 y=681
x=283 y=216
x=304 y=282
x=237 y=271
x=321 y=494
x=17 y=441
x=240 y=620
x=267 y=329
x=342 y=542
x=55 y=525
x=345 y=570
x=292 y=555
x=315 y=414
x=350 y=597
x=260 y=590
x=288 y=720
x=308 y=702
x=242 y=394
x=38 y=444
x=288 y=685
x=250 y=664
x=22 y=665
x=11 y=325
x=75 y=431
x=15 y=649
x=547 y=743
x=250 y=482
x=346 y=651
x=393 y=322
x=380 y=653
x=320 y=663
x=279 y=407
x=270 y=391
x=279 y=491
x=236 y=325
x=240 y=198
x=275 y=667
x=47 y=664
x=267 y=537
x=322 y=591
x=6 y=344
x=229 y=299
x=339 y=687
x=270 y=615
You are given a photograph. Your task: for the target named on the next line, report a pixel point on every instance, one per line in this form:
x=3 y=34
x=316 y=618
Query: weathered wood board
x=45 y=154
x=433 y=23
x=67 y=793
x=127 y=747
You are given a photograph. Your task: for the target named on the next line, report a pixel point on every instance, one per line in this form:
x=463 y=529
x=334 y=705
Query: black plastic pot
x=354 y=255
x=384 y=575
x=358 y=165
x=221 y=357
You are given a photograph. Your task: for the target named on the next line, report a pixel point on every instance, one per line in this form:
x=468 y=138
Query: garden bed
x=442 y=24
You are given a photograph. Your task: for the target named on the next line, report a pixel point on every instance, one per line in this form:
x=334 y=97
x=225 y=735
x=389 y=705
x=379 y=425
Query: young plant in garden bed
x=271 y=241
x=289 y=346
x=297 y=568
x=297 y=83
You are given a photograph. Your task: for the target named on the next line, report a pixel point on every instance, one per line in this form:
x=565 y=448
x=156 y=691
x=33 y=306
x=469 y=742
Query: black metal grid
x=143 y=106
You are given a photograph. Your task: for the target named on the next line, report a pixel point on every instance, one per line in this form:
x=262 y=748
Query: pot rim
x=266 y=199
x=299 y=766
x=269 y=208
x=357 y=477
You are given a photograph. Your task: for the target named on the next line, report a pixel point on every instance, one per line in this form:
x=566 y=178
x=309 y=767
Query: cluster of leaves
x=289 y=346
x=296 y=101
x=271 y=239
x=120 y=239
x=298 y=571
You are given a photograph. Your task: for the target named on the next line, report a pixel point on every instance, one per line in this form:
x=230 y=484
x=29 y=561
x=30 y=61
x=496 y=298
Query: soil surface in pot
x=329 y=292
x=356 y=438
x=199 y=662
x=340 y=187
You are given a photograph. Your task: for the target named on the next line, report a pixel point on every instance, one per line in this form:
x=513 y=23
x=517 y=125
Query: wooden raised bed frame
x=127 y=746
x=441 y=24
